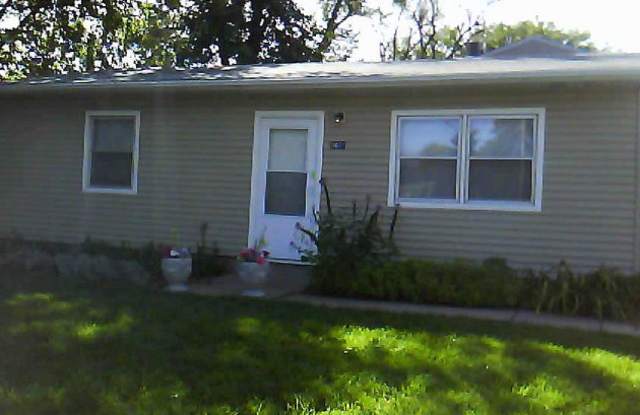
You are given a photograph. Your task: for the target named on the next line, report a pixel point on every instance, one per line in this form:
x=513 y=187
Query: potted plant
x=253 y=269
x=176 y=266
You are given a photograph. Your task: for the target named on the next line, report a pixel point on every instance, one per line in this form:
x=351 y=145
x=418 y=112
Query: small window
x=111 y=152
x=472 y=159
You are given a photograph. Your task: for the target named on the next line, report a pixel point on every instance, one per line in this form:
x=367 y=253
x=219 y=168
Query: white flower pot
x=254 y=275
x=176 y=271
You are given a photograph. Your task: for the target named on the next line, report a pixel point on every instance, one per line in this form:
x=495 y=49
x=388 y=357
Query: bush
x=602 y=293
x=206 y=260
x=148 y=256
x=460 y=282
x=353 y=257
x=345 y=243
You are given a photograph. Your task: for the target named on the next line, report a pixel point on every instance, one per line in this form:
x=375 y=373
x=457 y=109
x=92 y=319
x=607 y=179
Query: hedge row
x=602 y=293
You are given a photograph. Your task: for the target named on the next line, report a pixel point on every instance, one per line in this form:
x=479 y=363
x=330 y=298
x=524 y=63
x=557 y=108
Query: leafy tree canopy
x=41 y=37
x=247 y=31
x=45 y=36
x=254 y=31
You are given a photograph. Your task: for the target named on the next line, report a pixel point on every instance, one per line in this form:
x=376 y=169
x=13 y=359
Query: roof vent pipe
x=474 y=48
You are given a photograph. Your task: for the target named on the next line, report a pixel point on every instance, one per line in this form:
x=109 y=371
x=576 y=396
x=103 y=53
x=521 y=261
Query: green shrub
x=632 y=301
x=460 y=282
x=148 y=256
x=206 y=260
x=343 y=244
x=602 y=293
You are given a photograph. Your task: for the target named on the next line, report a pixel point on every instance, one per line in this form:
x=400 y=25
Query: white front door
x=285 y=188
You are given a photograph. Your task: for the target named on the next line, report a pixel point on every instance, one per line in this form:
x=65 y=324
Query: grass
x=122 y=350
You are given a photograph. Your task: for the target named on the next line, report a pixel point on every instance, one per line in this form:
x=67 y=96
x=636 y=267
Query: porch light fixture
x=338 y=117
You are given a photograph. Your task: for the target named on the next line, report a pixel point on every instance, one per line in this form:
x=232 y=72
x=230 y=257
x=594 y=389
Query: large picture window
x=468 y=159
x=111 y=151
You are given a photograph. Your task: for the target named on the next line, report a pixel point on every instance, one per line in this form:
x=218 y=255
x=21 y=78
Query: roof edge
x=537 y=38
x=328 y=83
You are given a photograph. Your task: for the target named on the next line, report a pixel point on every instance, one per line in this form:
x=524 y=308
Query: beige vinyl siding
x=195 y=166
x=189 y=173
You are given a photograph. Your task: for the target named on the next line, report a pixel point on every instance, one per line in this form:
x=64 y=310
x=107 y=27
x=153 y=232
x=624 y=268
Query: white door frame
x=256 y=170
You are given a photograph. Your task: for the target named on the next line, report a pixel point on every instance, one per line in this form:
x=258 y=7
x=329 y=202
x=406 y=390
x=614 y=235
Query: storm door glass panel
x=286 y=187
x=112 y=152
x=501 y=159
x=428 y=157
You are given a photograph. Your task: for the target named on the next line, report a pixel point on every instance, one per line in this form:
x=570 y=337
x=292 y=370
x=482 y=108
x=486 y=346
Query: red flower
x=165 y=251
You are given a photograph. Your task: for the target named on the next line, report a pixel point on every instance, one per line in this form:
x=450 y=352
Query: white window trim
x=462 y=203
x=86 y=164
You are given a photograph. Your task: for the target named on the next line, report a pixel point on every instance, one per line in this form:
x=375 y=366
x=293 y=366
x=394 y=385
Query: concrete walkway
x=512 y=316
x=284 y=280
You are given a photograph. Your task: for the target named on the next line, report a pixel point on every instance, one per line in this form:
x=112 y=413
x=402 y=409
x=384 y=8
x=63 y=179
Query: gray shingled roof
x=581 y=67
x=535 y=47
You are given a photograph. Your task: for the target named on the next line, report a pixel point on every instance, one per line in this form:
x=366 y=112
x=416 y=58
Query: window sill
x=110 y=191
x=482 y=206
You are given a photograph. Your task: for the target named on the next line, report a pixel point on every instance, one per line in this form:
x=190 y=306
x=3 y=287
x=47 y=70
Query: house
x=534 y=159
x=535 y=47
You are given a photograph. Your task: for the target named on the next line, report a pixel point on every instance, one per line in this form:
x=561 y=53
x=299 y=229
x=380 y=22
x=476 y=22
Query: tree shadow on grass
x=124 y=350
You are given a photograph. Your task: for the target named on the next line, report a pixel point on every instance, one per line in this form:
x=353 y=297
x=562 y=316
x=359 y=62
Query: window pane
x=491 y=137
x=508 y=180
x=113 y=134
x=111 y=169
x=286 y=194
x=429 y=137
x=288 y=150
x=428 y=179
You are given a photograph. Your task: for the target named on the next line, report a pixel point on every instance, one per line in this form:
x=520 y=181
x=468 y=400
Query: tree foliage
x=49 y=36
x=247 y=31
x=267 y=31
x=427 y=37
x=335 y=40
x=418 y=33
x=42 y=37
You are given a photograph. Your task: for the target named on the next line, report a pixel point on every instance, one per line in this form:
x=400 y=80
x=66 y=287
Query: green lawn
x=128 y=351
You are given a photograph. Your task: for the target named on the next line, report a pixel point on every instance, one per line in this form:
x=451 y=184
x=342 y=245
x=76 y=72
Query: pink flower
x=261 y=260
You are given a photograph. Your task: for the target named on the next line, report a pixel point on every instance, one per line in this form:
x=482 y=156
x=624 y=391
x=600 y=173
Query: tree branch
x=331 y=27
x=434 y=32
